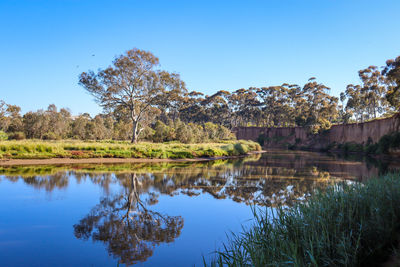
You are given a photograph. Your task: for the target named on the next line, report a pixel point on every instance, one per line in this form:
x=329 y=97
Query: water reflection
x=127 y=221
x=253 y=180
x=126 y=224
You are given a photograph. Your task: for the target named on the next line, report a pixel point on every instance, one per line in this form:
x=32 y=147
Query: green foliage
x=385 y=144
x=50 y=136
x=261 y=139
x=346 y=225
x=163 y=133
x=368 y=100
x=392 y=74
x=240 y=148
x=147 y=87
x=16 y=136
x=190 y=132
x=184 y=133
x=217 y=132
x=3 y=136
x=320 y=126
x=352 y=147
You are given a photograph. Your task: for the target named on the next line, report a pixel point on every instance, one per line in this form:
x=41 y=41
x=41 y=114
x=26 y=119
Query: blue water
x=36 y=226
x=38 y=221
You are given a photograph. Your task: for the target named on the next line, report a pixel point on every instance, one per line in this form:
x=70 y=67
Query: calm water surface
x=168 y=214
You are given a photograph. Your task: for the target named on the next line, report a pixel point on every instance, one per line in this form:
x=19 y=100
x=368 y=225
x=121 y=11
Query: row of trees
x=309 y=105
x=141 y=101
x=374 y=97
x=53 y=124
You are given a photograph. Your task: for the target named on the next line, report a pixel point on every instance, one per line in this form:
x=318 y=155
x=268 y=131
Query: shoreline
x=66 y=161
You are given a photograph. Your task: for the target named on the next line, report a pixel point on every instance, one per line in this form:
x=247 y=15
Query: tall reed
x=346 y=225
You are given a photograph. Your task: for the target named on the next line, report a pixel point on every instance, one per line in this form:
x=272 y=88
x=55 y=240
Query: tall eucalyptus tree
x=392 y=72
x=134 y=83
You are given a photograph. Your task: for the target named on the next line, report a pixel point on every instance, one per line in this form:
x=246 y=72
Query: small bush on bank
x=346 y=225
x=3 y=136
x=50 y=136
x=352 y=147
x=16 y=136
x=387 y=143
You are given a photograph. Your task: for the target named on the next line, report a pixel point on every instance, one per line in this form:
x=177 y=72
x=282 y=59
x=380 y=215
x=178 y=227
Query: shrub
x=352 y=147
x=50 y=136
x=371 y=148
x=225 y=134
x=261 y=139
x=199 y=136
x=184 y=134
x=241 y=149
x=3 y=136
x=147 y=134
x=387 y=142
x=16 y=136
x=211 y=130
x=163 y=133
x=384 y=144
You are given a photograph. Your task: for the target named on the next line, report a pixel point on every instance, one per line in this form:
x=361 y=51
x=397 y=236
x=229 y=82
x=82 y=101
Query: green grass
x=346 y=225
x=33 y=149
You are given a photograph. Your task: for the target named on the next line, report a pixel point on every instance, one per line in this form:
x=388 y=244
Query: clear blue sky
x=214 y=45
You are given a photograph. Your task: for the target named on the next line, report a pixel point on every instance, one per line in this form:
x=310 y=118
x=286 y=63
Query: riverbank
x=66 y=152
x=64 y=161
x=353 y=224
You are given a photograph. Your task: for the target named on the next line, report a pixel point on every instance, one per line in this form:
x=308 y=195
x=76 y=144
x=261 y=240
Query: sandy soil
x=10 y=162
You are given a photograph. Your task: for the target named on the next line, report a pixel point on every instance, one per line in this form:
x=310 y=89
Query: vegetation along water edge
x=35 y=149
x=348 y=224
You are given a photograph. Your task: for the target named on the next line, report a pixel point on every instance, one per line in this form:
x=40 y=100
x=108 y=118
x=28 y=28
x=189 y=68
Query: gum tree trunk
x=134 y=132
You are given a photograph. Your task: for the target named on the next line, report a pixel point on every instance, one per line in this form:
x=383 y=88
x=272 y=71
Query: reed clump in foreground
x=32 y=149
x=346 y=225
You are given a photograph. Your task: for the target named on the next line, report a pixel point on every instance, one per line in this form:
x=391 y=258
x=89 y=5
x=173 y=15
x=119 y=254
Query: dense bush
x=3 y=136
x=346 y=225
x=387 y=143
x=190 y=132
x=52 y=124
x=384 y=145
x=50 y=136
x=163 y=133
x=16 y=136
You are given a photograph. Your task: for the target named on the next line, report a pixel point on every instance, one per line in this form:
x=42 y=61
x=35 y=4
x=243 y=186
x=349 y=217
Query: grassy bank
x=31 y=149
x=347 y=225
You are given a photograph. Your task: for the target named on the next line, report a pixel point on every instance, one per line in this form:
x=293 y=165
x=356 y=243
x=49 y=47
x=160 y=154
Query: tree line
x=141 y=101
x=56 y=124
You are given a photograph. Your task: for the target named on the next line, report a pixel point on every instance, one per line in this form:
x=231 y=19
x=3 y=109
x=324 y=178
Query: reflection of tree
x=125 y=224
